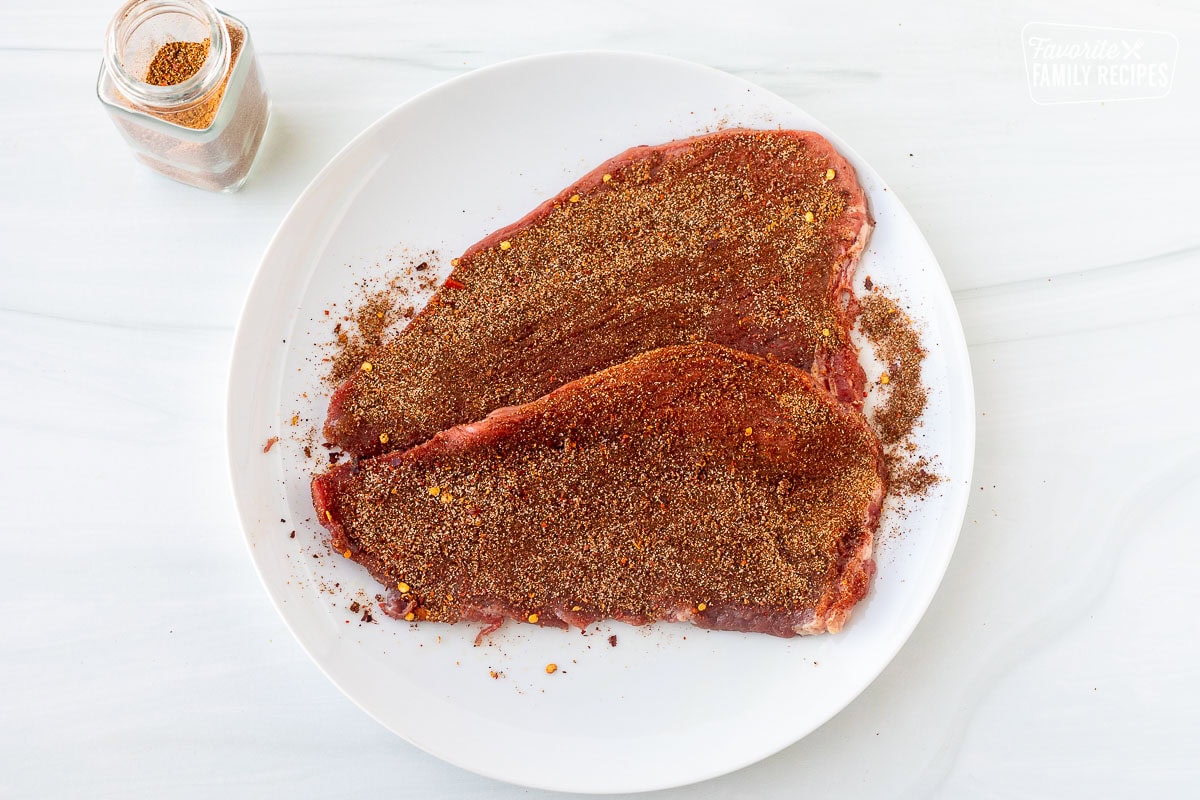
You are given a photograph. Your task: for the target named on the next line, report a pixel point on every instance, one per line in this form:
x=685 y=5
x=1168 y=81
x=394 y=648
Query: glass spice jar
x=181 y=82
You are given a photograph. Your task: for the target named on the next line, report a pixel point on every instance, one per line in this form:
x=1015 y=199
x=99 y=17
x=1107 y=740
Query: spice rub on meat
x=744 y=238
x=691 y=483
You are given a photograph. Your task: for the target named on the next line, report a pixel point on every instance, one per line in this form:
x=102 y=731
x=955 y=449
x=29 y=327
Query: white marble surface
x=139 y=657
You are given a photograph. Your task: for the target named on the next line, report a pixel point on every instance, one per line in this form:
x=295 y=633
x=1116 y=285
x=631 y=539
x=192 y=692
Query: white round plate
x=669 y=704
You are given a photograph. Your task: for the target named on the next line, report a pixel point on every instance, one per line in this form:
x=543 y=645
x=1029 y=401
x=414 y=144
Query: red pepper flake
x=270 y=443
x=453 y=284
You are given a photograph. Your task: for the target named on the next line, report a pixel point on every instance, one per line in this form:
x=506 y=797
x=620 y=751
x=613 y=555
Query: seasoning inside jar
x=175 y=62
x=181 y=82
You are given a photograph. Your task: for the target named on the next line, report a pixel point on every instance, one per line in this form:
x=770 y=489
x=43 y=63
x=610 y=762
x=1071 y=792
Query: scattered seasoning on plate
x=897 y=343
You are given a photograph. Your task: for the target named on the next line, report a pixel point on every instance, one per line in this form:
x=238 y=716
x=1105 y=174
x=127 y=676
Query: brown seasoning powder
x=175 y=62
x=372 y=318
x=897 y=344
x=201 y=115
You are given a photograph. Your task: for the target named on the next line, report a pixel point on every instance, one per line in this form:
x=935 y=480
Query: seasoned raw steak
x=744 y=238
x=691 y=483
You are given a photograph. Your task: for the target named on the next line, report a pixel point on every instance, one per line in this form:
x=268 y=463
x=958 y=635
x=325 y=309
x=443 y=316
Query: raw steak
x=691 y=483
x=744 y=238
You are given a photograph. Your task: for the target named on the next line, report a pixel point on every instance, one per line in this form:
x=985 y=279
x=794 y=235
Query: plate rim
x=240 y=349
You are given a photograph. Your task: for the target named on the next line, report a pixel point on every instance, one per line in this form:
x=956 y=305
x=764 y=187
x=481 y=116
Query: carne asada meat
x=745 y=238
x=690 y=483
